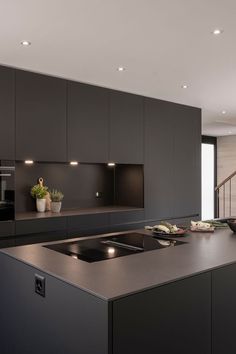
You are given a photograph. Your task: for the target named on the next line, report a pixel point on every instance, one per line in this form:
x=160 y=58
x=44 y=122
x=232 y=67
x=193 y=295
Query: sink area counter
x=115 y=278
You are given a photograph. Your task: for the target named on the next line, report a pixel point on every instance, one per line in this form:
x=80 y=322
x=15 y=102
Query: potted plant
x=56 y=200
x=39 y=192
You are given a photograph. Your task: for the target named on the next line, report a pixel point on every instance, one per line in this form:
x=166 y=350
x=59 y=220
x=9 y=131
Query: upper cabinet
x=7 y=114
x=126 y=128
x=40 y=117
x=87 y=123
x=187 y=161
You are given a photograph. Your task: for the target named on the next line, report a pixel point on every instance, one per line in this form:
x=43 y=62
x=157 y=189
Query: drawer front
x=7 y=228
x=26 y=227
x=40 y=237
x=82 y=225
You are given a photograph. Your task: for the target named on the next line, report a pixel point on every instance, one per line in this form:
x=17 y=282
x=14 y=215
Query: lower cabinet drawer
x=126 y=220
x=83 y=225
x=7 y=228
x=39 y=238
x=26 y=227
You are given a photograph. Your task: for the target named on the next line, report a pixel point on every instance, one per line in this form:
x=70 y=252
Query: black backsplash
x=122 y=185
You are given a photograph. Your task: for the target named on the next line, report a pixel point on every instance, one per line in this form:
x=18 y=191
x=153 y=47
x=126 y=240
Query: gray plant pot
x=56 y=207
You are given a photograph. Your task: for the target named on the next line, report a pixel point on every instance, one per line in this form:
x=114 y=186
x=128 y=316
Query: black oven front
x=7 y=190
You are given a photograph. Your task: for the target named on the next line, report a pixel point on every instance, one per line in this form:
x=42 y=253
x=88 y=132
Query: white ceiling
x=161 y=43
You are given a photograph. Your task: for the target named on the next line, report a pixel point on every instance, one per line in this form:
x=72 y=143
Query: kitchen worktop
x=31 y=215
x=120 y=277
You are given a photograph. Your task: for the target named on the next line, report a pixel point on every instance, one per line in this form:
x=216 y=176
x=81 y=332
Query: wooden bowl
x=232 y=225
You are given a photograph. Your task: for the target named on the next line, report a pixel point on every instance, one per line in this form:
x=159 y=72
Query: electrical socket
x=39 y=283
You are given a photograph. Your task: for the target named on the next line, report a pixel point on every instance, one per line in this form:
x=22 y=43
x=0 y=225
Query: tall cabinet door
x=7 y=114
x=158 y=165
x=126 y=128
x=87 y=123
x=40 y=117
x=187 y=161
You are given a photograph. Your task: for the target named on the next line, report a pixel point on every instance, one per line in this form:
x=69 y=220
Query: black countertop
x=119 y=277
x=32 y=215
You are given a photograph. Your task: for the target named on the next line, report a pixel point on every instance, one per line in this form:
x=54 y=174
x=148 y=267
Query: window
x=208 y=177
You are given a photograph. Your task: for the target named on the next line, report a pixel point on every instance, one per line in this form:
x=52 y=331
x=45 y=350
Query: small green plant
x=38 y=191
x=56 y=196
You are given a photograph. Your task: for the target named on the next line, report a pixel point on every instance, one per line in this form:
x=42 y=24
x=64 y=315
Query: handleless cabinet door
x=126 y=128
x=7 y=114
x=40 y=117
x=158 y=166
x=224 y=310
x=187 y=161
x=87 y=123
x=170 y=319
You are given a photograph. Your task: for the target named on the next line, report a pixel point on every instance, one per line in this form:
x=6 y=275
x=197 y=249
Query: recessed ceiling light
x=229 y=132
x=217 y=31
x=74 y=163
x=25 y=43
x=111 y=164
x=29 y=162
x=121 y=68
x=184 y=86
x=223 y=112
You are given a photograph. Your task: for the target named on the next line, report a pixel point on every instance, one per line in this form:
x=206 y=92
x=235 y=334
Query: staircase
x=225 y=200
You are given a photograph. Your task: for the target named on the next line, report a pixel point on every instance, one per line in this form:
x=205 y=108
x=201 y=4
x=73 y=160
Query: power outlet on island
x=39 y=283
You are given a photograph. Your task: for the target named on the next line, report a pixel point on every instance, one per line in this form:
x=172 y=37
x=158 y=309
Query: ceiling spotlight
x=29 y=162
x=223 y=112
x=111 y=164
x=121 y=68
x=25 y=43
x=74 y=163
x=184 y=86
x=217 y=31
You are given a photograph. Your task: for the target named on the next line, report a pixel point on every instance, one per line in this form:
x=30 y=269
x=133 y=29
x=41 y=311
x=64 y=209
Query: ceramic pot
x=56 y=207
x=41 y=205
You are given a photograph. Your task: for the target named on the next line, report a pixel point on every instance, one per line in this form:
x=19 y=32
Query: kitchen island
x=170 y=300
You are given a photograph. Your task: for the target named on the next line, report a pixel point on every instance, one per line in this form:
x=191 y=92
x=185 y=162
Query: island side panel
x=174 y=318
x=224 y=310
x=66 y=321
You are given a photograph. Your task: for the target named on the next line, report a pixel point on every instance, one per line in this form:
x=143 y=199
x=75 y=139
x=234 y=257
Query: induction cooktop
x=104 y=248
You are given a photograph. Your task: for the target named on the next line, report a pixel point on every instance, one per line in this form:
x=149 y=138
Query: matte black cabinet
x=126 y=128
x=174 y=318
x=224 y=310
x=84 y=225
x=158 y=164
x=87 y=123
x=187 y=160
x=172 y=160
x=40 y=117
x=7 y=113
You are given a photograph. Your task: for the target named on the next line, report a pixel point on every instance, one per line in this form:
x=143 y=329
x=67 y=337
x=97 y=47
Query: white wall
x=226 y=164
x=208 y=181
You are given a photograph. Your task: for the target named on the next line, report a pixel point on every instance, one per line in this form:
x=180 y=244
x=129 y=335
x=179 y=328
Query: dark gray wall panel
x=87 y=123
x=66 y=321
x=174 y=318
x=7 y=113
x=224 y=310
x=40 y=117
x=126 y=128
